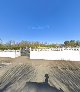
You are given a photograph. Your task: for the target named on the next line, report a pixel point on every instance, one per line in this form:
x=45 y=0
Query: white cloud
x=40 y=27
x=37 y=27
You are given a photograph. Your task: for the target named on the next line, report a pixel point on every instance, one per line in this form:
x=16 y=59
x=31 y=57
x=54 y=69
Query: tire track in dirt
x=64 y=75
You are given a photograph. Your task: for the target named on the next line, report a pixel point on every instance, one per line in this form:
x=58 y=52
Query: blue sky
x=40 y=20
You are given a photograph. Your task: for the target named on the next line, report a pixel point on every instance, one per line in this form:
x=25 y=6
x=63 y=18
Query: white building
x=69 y=54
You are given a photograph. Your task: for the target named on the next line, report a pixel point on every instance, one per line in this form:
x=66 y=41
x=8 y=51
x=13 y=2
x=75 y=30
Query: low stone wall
x=70 y=55
x=10 y=53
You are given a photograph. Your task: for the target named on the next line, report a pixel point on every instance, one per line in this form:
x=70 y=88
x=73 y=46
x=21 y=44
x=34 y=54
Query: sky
x=52 y=21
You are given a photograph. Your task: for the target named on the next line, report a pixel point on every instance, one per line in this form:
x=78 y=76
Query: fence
x=10 y=53
x=70 y=54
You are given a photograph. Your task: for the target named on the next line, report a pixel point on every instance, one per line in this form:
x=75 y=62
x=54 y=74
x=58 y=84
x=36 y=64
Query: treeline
x=72 y=43
x=28 y=44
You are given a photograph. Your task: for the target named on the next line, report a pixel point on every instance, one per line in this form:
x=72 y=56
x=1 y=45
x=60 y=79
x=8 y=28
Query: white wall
x=10 y=53
x=56 y=55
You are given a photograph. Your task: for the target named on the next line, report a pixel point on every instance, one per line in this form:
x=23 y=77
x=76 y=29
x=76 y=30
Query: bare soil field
x=62 y=74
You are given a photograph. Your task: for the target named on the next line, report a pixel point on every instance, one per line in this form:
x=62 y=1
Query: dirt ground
x=18 y=71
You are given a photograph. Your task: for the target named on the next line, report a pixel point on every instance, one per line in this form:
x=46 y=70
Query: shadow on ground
x=40 y=87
